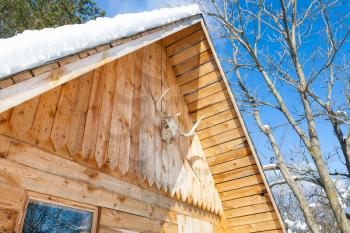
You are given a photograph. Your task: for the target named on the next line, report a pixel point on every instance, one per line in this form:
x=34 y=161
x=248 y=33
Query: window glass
x=47 y=217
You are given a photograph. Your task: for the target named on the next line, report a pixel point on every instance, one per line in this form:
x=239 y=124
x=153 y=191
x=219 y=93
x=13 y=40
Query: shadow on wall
x=107 y=122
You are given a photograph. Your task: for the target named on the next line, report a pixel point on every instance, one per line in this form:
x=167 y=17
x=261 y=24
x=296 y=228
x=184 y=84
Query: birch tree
x=295 y=54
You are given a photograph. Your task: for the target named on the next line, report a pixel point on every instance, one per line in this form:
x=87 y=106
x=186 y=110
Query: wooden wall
x=245 y=197
x=107 y=119
x=104 y=127
x=122 y=206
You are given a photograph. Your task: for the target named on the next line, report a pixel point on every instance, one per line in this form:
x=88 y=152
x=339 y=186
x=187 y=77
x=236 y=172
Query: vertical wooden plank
x=118 y=103
x=93 y=115
x=143 y=150
x=136 y=115
x=124 y=149
x=45 y=116
x=151 y=115
x=173 y=147
x=157 y=85
x=178 y=160
x=65 y=109
x=23 y=115
x=105 y=115
x=77 y=124
x=165 y=155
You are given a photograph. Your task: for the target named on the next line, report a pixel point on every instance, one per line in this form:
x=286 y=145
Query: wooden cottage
x=140 y=134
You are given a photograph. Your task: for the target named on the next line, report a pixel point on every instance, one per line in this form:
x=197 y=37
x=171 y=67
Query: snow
x=36 y=47
x=296 y=225
x=341 y=113
x=266 y=127
x=313 y=205
x=269 y=167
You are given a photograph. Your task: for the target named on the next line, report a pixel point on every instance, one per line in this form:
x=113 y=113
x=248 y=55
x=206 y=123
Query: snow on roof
x=36 y=47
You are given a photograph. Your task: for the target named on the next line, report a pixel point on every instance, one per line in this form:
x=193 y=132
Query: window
x=44 y=213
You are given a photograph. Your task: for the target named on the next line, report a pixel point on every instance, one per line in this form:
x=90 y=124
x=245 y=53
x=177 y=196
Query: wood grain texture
x=109 y=123
x=93 y=114
x=107 y=120
x=221 y=134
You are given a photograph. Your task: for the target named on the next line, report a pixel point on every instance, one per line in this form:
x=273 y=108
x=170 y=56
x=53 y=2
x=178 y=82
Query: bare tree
x=291 y=51
x=318 y=204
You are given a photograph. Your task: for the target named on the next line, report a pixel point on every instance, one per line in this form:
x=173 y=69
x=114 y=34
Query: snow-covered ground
x=36 y=47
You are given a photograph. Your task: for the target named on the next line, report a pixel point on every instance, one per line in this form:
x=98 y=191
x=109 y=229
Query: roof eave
x=40 y=80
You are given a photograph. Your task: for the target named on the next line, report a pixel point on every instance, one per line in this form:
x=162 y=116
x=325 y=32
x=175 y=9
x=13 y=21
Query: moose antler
x=160 y=99
x=170 y=129
x=192 y=132
x=157 y=102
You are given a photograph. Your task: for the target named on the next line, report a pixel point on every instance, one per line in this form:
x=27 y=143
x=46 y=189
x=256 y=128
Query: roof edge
x=106 y=45
x=22 y=86
x=243 y=125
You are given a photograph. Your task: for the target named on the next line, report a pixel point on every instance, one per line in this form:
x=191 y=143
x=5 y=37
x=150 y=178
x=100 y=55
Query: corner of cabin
x=92 y=124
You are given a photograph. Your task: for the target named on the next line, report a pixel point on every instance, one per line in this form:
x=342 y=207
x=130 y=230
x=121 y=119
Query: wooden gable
x=246 y=198
x=111 y=124
x=107 y=119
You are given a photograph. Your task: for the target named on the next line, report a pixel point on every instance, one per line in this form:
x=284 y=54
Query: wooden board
x=200 y=82
x=193 y=62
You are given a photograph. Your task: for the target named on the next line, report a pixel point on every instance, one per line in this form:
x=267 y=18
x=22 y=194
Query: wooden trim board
x=243 y=126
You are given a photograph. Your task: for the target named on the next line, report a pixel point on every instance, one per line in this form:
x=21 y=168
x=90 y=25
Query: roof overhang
x=60 y=71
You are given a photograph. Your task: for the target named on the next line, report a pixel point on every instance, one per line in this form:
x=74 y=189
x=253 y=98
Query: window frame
x=60 y=202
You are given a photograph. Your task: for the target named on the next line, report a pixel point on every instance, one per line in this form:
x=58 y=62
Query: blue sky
x=114 y=7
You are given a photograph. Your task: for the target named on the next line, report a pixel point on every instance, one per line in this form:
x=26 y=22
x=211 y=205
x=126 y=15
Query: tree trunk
x=293 y=185
x=304 y=206
x=330 y=189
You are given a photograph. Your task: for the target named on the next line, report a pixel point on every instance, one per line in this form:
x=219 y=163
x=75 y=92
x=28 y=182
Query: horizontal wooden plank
x=228 y=156
x=200 y=82
x=243 y=192
x=217 y=123
x=206 y=91
x=248 y=210
x=185 y=42
x=193 y=62
x=256 y=227
x=190 y=52
x=207 y=101
x=246 y=201
x=232 y=165
x=114 y=219
x=239 y=183
x=224 y=147
x=211 y=110
x=222 y=137
x=230 y=125
x=196 y=73
x=103 y=229
x=251 y=219
x=88 y=182
x=236 y=174
x=181 y=34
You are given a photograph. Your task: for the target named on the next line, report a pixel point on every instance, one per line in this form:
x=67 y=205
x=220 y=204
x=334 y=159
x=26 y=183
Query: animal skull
x=169 y=126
